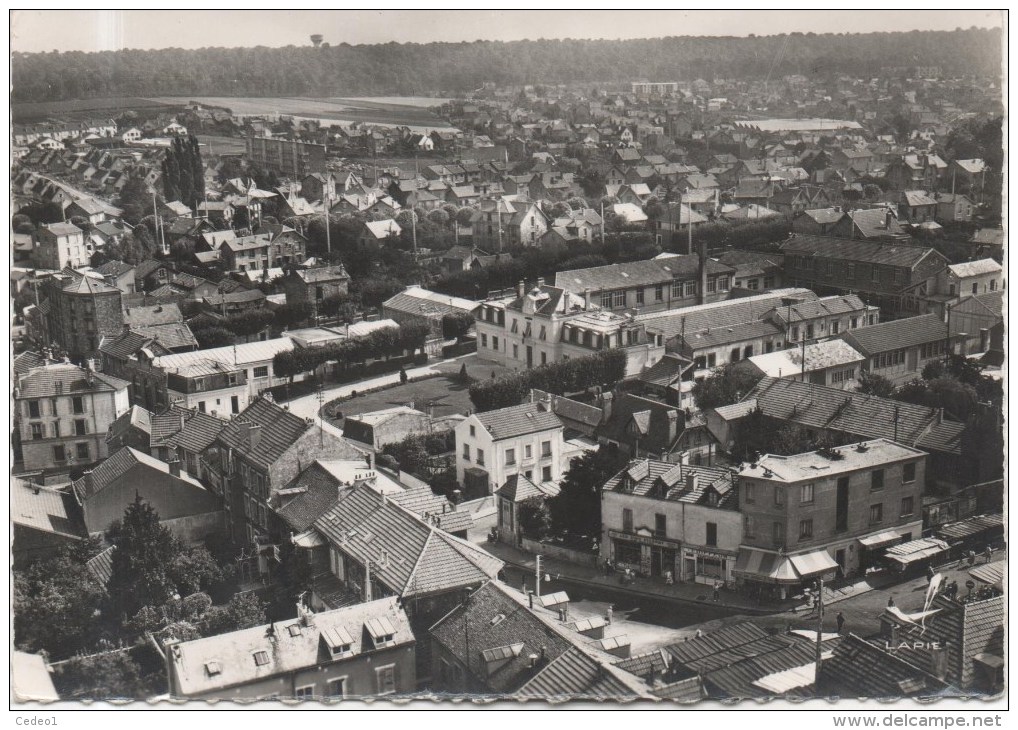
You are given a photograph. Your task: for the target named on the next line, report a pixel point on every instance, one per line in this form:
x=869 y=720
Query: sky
x=103 y=30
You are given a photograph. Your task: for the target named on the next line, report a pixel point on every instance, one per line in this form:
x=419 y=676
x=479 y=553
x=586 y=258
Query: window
x=712 y=534
x=809 y=332
x=676 y=289
x=627 y=520
x=835 y=327
x=806 y=494
x=779 y=497
x=735 y=354
x=545 y=448
x=778 y=533
x=749 y=526
x=907 y=505
x=528 y=451
x=81 y=452
x=305 y=693
x=975 y=288
x=993 y=285
x=544 y=333
x=712 y=286
x=950 y=289
x=480 y=457
x=639 y=297
x=37 y=432
x=385 y=679
x=712 y=360
x=544 y=358
x=510 y=457
x=805 y=529
x=262 y=371
x=875 y=273
x=58 y=453
x=876 y=513
x=473 y=430
x=659 y=292
x=768 y=282
x=261 y=658
x=337 y=687
x=618 y=299
x=606 y=300
x=690 y=288
x=753 y=284
x=908 y=473
x=78 y=404
x=494 y=342
x=855 y=322
x=795 y=333
x=516 y=352
x=723 y=283
x=749 y=492
x=466 y=452
x=877 y=479
x=33 y=409
x=896 y=276
x=660 y=525
x=851 y=271
x=80 y=427
x=484 y=340
x=546 y=473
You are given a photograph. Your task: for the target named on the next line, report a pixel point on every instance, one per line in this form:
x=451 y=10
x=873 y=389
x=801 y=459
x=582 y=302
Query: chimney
x=606 y=406
x=174 y=467
x=371 y=460
x=692 y=480
x=540 y=281
x=887 y=219
x=586 y=299
x=702 y=299
x=521 y=288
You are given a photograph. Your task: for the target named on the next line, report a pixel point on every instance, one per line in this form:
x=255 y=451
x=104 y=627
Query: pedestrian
x=988 y=553
x=717 y=591
x=841 y=621
x=930 y=573
x=698 y=634
x=610 y=613
x=890 y=601
x=972 y=558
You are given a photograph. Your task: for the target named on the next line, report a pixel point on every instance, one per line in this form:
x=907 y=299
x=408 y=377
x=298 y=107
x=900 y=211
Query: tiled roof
x=65 y=379
x=857 y=414
x=636 y=273
x=659 y=414
x=824 y=216
x=575 y=675
x=518 y=420
x=691 y=320
x=231 y=356
x=770 y=656
x=665 y=372
x=167 y=423
x=171 y=336
x=916 y=198
x=115 y=268
x=147 y=316
x=975 y=268
x=101 y=566
x=720 y=336
x=818 y=356
x=422 y=501
x=847 y=249
x=666 y=481
x=897 y=334
x=646 y=665
x=419 y=301
x=857 y=668
x=822 y=307
x=571 y=412
x=198 y=433
x=133 y=417
x=518 y=488
x=279 y=430
x=45 y=509
x=408 y=555
x=323 y=273
x=291 y=647
x=26 y=361
x=302 y=511
x=127 y=344
x=697 y=648
x=111 y=469
x=685 y=690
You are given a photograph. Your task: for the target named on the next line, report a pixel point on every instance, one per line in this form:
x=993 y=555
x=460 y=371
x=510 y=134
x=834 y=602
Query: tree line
x=380 y=344
x=411 y=68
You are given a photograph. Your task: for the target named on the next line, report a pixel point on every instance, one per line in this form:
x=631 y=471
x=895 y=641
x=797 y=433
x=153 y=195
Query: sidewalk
x=694 y=593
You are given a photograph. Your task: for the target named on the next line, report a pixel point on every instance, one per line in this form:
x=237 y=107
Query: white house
x=492 y=446
x=131 y=135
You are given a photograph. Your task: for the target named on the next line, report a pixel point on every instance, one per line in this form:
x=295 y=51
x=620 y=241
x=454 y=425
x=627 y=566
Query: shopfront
x=706 y=565
x=643 y=553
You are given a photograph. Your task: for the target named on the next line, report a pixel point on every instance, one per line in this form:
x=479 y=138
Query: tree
x=107 y=676
x=724 y=386
x=535 y=518
x=293 y=315
x=456 y=325
x=141 y=573
x=55 y=607
x=209 y=337
x=193 y=570
x=872 y=384
x=576 y=509
x=244 y=611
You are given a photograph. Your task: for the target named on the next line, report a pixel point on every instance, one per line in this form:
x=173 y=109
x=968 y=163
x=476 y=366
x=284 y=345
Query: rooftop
x=635 y=273
x=66 y=379
x=505 y=423
x=818 y=356
x=847 y=249
x=816 y=465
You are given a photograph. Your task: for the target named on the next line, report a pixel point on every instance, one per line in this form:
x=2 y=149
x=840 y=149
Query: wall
x=193 y=529
x=559 y=552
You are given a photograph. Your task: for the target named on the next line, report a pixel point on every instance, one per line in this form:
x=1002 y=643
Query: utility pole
x=689 y=221
x=537 y=576
x=327 y=205
x=820 y=625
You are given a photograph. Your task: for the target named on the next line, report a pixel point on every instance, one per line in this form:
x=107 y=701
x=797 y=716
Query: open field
x=218 y=145
x=82 y=108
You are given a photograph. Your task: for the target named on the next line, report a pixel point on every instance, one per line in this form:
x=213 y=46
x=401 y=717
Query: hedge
x=383 y=343
x=569 y=376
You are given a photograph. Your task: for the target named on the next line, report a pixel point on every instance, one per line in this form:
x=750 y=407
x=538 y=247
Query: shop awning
x=970 y=527
x=765 y=567
x=880 y=539
x=815 y=563
x=991 y=573
x=916 y=550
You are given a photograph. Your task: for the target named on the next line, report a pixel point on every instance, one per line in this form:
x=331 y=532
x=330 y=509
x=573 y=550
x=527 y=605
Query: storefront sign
x=642 y=540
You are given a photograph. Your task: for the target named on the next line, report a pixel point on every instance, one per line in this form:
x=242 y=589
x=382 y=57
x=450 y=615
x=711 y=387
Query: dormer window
x=381 y=631
x=213 y=668
x=261 y=658
x=337 y=640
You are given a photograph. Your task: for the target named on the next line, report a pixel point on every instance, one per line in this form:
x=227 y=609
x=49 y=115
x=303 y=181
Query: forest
x=394 y=68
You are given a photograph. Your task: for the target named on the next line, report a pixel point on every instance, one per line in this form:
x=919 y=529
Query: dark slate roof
x=695 y=649
x=199 y=431
x=866 y=416
x=815 y=308
x=110 y=470
x=408 y=555
x=667 y=481
x=43 y=382
x=115 y=268
x=302 y=511
x=170 y=336
x=518 y=488
x=897 y=334
x=237 y=297
x=720 y=336
x=101 y=566
x=168 y=423
x=518 y=420
x=665 y=372
x=636 y=273
x=623 y=409
x=280 y=429
x=702 y=317
x=859 y=669
x=25 y=361
x=685 y=690
x=847 y=249
x=770 y=656
x=575 y=675
x=126 y=344
x=422 y=501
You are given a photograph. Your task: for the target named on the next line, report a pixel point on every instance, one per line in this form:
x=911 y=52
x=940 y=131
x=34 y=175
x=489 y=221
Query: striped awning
x=880 y=539
x=765 y=567
x=915 y=550
x=812 y=564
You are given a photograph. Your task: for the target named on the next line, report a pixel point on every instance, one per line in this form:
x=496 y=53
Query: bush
x=603 y=368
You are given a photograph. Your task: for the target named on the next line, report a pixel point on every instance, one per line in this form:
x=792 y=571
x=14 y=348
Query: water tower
x=317 y=39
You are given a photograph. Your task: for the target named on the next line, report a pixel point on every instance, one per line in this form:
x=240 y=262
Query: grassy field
x=216 y=145
x=82 y=108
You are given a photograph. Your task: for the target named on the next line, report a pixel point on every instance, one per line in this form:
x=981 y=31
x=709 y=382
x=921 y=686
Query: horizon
x=41 y=31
